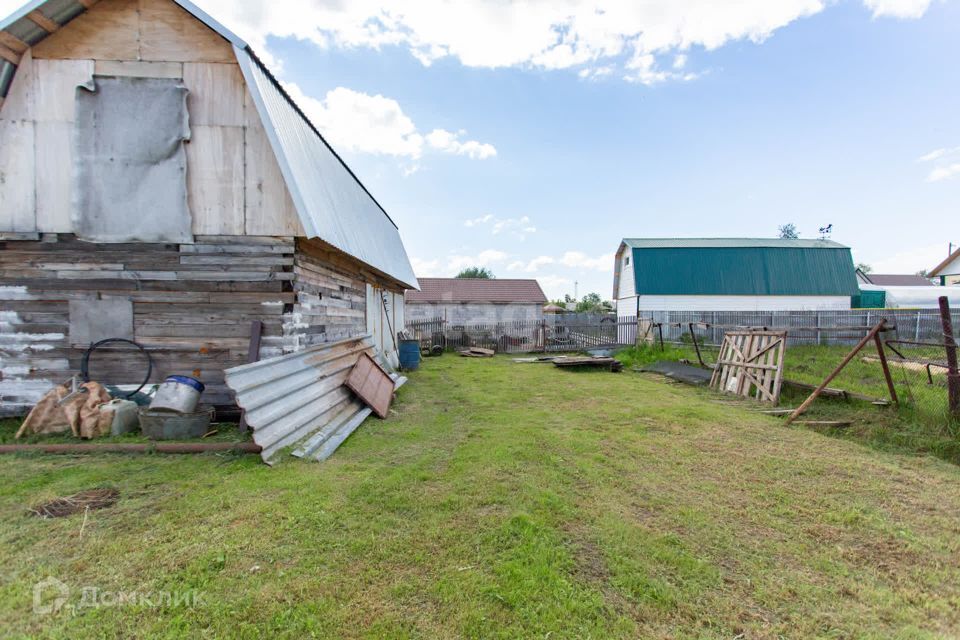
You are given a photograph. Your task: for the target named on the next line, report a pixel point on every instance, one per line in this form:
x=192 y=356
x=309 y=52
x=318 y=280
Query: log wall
x=192 y=305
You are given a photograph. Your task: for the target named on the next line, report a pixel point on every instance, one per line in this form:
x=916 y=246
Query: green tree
x=592 y=303
x=476 y=272
x=789 y=231
x=863 y=266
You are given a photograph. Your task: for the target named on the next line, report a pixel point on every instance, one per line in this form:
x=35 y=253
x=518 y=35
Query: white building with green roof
x=732 y=274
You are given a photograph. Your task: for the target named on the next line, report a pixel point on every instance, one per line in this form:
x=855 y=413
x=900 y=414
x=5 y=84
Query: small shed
x=731 y=274
x=948 y=271
x=472 y=301
x=158 y=184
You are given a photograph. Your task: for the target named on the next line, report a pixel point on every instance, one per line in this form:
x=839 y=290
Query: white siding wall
x=627 y=307
x=626 y=277
x=743 y=303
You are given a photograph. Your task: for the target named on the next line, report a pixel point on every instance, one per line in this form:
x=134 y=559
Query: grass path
x=506 y=500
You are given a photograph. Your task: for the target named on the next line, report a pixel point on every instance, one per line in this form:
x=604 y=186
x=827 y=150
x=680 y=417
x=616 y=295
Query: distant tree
x=863 y=266
x=923 y=273
x=568 y=299
x=592 y=303
x=789 y=231
x=558 y=303
x=477 y=272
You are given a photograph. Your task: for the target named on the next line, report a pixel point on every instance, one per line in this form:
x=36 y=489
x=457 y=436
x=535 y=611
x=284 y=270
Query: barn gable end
x=246 y=256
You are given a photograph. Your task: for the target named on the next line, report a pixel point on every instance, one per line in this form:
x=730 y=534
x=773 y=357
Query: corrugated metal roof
x=477 y=290
x=782 y=269
x=898 y=280
x=332 y=203
x=705 y=243
x=299 y=400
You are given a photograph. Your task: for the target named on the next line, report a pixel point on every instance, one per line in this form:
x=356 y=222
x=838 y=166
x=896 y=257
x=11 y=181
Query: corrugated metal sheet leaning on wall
x=300 y=400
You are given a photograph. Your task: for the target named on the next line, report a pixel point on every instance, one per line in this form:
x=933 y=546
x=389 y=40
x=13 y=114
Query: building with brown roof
x=469 y=301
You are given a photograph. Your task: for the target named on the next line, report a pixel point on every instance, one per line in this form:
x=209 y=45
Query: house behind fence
x=473 y=301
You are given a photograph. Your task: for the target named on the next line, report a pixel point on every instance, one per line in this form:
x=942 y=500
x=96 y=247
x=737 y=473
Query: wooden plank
x=372 y=383
x=140 y=69
x=13 y=43
x=54 y=167
x=217 y=94
x=215 y=180
x=269 y=208
x=10 y=56
x=55 y=88
x=17 y=177
x=43 y=22
x=108 y=31
x=169 y=33
x=19 y=102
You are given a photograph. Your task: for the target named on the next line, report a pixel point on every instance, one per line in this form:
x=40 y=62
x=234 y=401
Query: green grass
x=504 y=500
x=920 y=424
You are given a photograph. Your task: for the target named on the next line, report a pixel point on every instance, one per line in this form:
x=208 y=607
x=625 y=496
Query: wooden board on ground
x=589 y=361
x=750 y=364
x=372 y=383
x=477 y=352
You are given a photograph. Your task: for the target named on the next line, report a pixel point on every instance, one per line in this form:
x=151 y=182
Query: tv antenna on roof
x=826 y=231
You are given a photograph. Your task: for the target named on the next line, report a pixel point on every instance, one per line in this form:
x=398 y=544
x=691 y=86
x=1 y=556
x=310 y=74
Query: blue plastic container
x=409 y=355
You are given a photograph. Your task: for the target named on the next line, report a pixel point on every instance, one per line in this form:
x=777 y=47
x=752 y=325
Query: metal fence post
x=953 y=375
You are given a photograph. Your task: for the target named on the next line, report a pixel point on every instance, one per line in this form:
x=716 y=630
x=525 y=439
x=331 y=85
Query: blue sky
x=530 y=137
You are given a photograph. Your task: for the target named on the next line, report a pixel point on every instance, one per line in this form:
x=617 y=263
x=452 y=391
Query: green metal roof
x=739 y=266
x=703 y=243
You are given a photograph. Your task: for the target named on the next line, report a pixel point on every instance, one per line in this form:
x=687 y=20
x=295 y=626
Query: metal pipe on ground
x=160 y=447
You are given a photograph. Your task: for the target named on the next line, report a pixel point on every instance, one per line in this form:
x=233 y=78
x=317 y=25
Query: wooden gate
x=750 y=364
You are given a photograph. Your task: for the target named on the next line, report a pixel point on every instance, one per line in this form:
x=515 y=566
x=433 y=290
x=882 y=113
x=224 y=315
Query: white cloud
x=518 y=227
x=906 y=9
x=449 y=142
x=532 y=266
x=555 y=286
x=359 y=122
x=945 y=172
x=911 y=260
x=475 y=222
x=563 y=34
x=487 y=258
x=580 y=260
x=947 y=161
x=424 y=268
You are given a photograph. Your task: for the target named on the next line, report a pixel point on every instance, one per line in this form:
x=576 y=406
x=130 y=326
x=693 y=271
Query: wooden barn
x=158 y=184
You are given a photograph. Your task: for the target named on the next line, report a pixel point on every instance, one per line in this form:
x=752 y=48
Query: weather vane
x=826 y=231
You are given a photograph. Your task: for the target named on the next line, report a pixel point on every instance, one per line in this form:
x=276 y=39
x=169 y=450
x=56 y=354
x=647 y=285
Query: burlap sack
x=79 y=416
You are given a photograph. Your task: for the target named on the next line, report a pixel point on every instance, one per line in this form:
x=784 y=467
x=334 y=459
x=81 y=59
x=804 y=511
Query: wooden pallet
x=751 y=364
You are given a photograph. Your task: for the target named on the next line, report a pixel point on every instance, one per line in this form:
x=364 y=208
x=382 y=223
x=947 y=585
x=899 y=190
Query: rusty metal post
x=953 y=375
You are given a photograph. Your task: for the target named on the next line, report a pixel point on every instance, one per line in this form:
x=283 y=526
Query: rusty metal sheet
x=373 y=384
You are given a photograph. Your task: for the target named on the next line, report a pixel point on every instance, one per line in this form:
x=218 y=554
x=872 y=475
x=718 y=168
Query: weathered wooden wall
x=234 y=183
x=192 y=308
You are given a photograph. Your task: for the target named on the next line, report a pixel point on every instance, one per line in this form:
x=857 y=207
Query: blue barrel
x=409 y=355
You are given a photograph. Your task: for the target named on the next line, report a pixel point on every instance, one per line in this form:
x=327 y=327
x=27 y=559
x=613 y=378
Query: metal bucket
x=163 y=425
x=180 y=394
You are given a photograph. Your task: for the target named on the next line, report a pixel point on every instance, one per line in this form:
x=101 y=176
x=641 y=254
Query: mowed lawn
x=505 y=500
